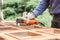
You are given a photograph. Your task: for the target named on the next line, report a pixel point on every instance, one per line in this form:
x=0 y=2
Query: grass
x=13 y=18
x=45 y=18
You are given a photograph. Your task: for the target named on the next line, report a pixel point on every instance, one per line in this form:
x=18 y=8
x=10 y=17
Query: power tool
x=22 y=21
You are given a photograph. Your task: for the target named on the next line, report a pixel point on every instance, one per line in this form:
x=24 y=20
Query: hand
x=30 y=16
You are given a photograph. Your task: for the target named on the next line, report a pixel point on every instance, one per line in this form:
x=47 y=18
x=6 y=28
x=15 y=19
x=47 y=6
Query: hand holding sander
x=22 y=21
x=29 y=20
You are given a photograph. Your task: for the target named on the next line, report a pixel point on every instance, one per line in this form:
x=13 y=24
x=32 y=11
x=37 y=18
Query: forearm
x=43 y=4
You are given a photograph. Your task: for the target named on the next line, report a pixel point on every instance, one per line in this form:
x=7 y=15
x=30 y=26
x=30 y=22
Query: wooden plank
x=29 y=32
x=5 y=37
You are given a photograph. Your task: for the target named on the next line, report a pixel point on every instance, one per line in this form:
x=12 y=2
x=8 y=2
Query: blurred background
x=14 y=8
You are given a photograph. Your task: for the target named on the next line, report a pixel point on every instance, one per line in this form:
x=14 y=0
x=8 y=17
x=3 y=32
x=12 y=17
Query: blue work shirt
x=43 y=5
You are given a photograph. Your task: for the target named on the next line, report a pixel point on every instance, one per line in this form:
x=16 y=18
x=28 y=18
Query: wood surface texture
x=9 y=31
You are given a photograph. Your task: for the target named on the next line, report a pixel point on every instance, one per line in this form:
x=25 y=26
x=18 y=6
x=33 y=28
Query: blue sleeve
x=41 y=7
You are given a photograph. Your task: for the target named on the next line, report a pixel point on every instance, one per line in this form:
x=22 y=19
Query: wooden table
x=9 y=31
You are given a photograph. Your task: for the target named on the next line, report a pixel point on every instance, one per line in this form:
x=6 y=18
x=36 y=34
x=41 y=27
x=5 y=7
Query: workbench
x=9 y=31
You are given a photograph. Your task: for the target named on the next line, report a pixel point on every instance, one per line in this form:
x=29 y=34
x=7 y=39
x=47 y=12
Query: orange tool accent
x=24 y=21
x=31 y=22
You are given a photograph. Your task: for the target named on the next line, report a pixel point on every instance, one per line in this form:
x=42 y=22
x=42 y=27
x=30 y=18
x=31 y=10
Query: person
x=54 y=10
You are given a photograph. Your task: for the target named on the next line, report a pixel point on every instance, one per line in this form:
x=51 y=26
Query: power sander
x=22 y=21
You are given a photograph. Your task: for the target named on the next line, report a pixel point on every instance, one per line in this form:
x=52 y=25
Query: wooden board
x=9 y=31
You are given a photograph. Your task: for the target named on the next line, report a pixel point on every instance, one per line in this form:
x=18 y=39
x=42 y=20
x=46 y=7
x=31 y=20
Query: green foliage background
x=14 y=8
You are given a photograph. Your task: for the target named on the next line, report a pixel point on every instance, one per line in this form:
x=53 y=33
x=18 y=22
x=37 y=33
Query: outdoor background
x=14 y=8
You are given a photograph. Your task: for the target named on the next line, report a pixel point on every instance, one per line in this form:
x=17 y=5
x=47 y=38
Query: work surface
x=9 y=31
